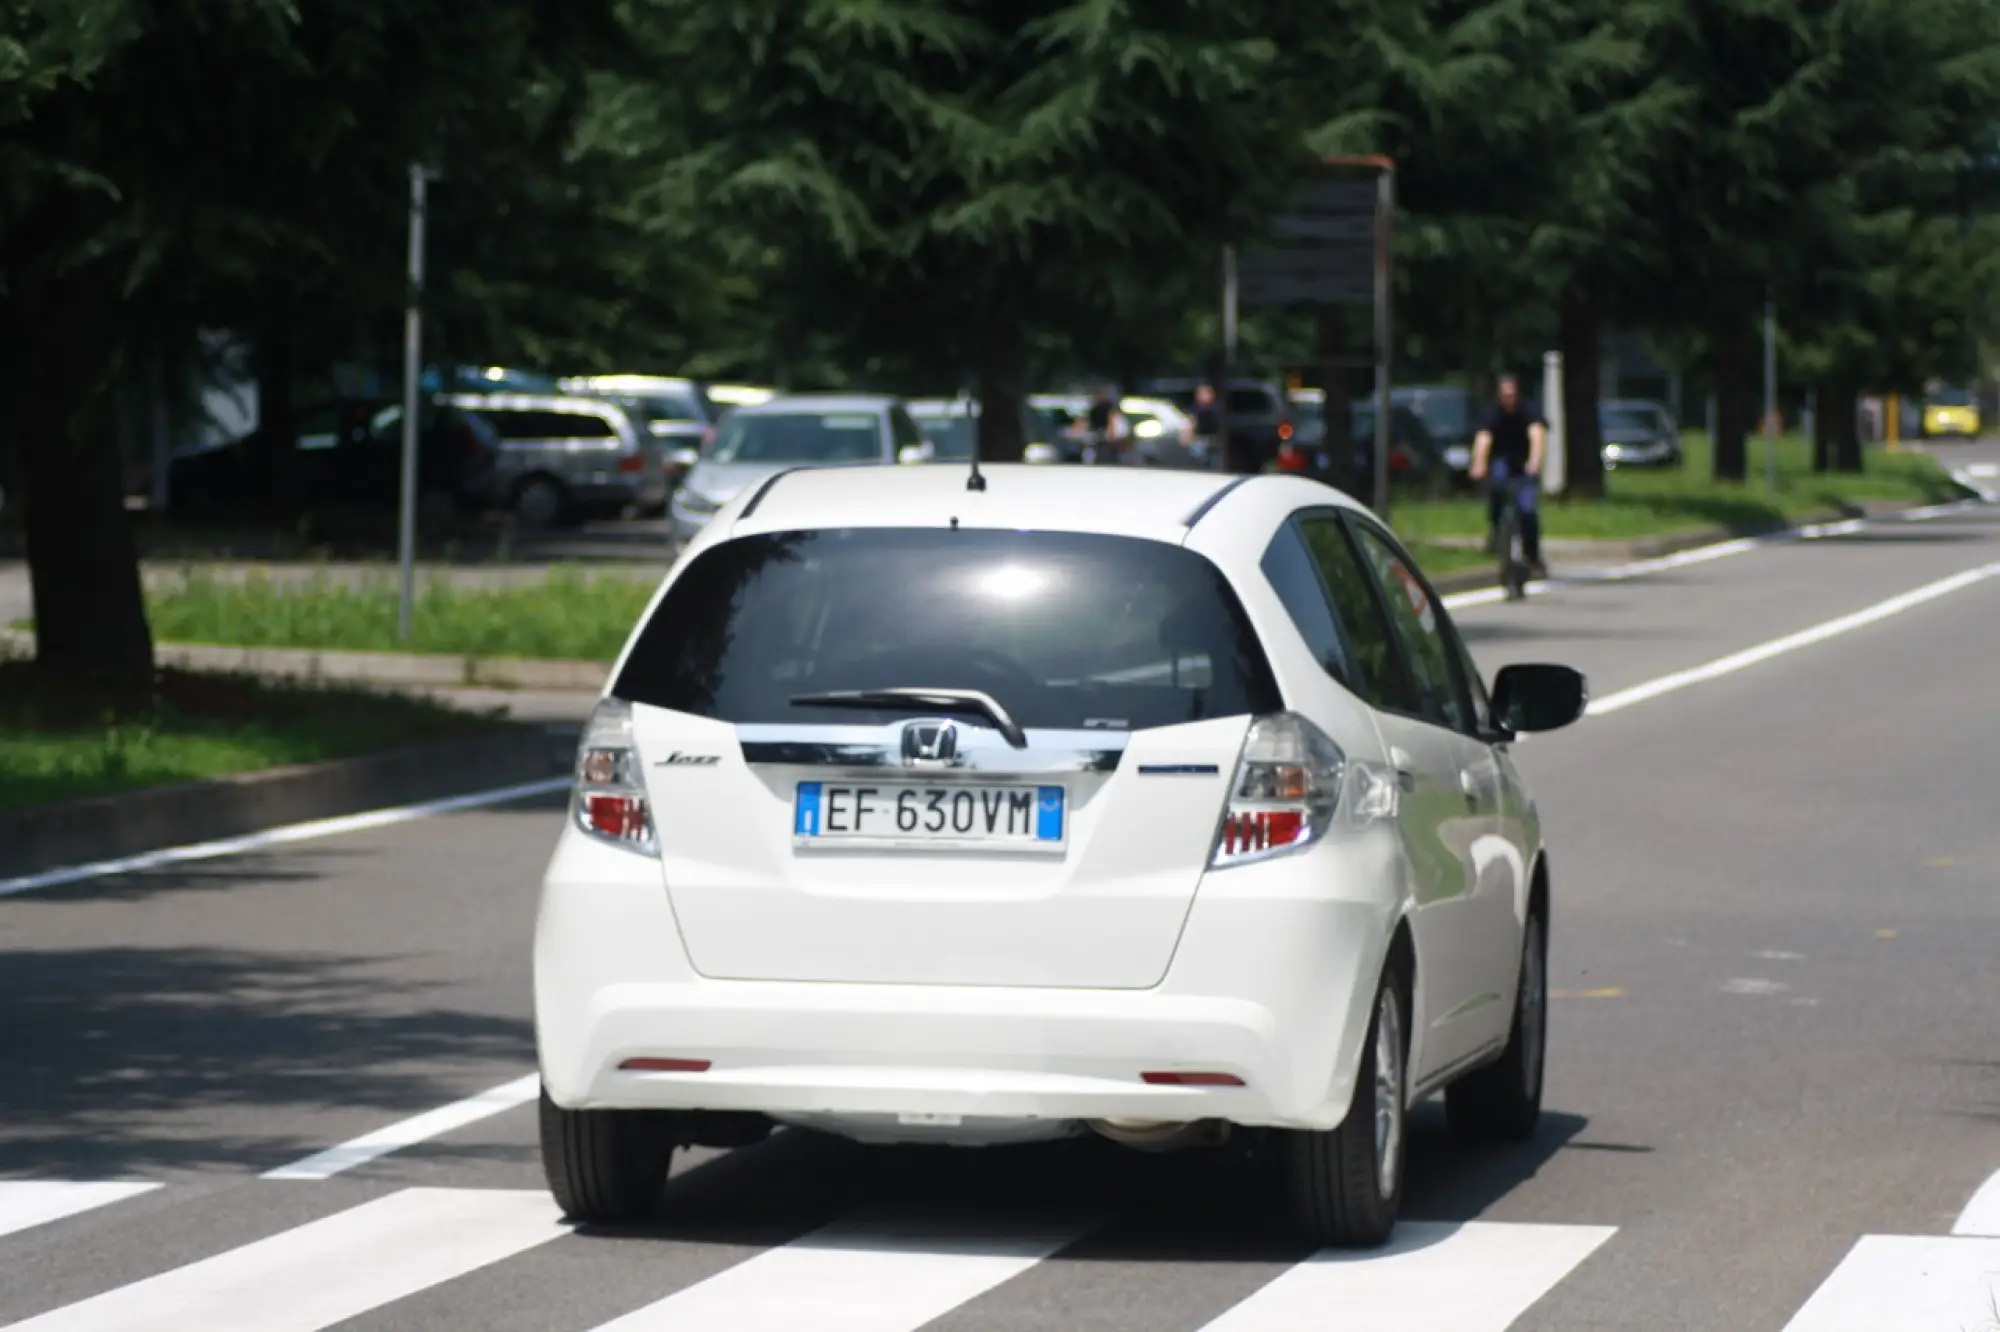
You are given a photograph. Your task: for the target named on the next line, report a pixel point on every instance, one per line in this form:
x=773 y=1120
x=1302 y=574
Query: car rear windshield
x=1069 y=631
x=799 y=437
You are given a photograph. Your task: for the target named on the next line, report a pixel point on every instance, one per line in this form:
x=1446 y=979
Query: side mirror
x=914 y=453
x=1538 y=698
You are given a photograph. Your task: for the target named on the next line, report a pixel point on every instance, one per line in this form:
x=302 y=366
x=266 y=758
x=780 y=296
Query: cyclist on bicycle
x=1509 y=448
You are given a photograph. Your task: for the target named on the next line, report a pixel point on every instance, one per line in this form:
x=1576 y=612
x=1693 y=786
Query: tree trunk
x=90 y=616
x=1580 y=341
x=1839 y=407
x=1330 y=348
x=1732 y=401
x=1825 y=394
x=1002 y=372
x=277 y=414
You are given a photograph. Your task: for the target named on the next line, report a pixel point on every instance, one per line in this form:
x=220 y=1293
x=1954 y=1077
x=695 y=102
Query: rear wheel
x=605 y=1167
x=541 y=502
x=1347 y=1183
x=1502 y=1102
x=1513 y=569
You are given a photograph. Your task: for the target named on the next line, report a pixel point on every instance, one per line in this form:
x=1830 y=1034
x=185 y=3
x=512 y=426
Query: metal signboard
x=1325 y=251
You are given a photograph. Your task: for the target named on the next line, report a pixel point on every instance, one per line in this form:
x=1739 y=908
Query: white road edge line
x=269 y=837
x=1981 y=1216
x=409 y=1132
x=1777 y=647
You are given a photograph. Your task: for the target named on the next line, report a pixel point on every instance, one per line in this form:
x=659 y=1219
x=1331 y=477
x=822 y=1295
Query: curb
x=44 y=837
x=387 y=668
x=1651 y=548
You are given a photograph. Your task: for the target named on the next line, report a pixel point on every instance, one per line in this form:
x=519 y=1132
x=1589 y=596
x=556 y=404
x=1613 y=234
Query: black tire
x=605 y=1167
x=1513 y=570
x=542 y=502
x=1336 y=1177
x=1502 y=1102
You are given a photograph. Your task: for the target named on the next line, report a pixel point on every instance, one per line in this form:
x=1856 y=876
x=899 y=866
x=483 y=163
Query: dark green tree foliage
x=185 y=165
x=1882 y=273
x=925 y=181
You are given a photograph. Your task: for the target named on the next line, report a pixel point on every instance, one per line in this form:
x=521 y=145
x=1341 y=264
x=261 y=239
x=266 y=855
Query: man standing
x=1207 y=425
x=1105 y=427
x=1509 y=446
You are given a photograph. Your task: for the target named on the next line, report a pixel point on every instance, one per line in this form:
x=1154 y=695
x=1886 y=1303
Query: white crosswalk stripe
x=866 y=1274
x=25 y=1203
x=898 y=1271
x=333 y=1269
x=1908 y=1283
x=1475 y=1277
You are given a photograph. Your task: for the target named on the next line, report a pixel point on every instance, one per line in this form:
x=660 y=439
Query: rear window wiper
x=957 y=702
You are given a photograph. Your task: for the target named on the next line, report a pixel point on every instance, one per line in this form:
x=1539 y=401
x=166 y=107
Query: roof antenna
x=975 y=481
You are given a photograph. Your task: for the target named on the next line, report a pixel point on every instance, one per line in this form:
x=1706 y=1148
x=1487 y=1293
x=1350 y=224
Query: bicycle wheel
x=1513 y=569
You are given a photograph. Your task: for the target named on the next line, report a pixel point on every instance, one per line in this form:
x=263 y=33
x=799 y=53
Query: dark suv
x=1260 y=416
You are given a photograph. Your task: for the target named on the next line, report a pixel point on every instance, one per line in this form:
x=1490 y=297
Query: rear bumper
x=1269 y=984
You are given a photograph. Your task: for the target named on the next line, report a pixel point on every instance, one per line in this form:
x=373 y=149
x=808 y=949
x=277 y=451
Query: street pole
x=1770 y=393
x=1231 y=295
x=413 y=340
x=1385 y=203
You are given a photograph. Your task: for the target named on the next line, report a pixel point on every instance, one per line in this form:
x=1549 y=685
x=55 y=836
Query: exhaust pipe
x=1152 y=1135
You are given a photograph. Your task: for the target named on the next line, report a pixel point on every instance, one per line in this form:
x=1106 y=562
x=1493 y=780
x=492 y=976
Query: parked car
x=564 y=457
x=1638 y=433
x=677 y=412
x=949 y=426
x=1163 y=435
x=1413 y=455
x=347 y=453
x=1260 y=415
x=1951 y=412
x=1151 y=804
x=758 y=440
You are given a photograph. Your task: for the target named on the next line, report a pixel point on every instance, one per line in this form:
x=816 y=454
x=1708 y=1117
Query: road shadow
x=135 y=1060
x=1480 y=632
x=1210 y=1206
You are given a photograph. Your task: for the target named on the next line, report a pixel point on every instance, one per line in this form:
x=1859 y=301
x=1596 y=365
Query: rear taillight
x=609 y=801
x=1289 y=786
x=632 y=462
x=1284 y=430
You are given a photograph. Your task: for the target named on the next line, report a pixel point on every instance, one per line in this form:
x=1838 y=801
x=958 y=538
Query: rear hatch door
x=1054 y=839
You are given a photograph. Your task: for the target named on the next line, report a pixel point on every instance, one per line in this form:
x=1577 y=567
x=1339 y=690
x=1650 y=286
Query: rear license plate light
x=949 y=815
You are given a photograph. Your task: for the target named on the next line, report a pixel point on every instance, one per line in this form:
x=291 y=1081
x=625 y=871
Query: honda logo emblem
x=930 y=744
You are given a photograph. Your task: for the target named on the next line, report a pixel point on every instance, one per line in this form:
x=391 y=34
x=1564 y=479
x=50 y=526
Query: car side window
x=1288 y=566
x=1417 y=626
x=1375 y=672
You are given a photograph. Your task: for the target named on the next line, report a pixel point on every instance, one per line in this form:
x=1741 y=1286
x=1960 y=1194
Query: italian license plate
x=941 y=814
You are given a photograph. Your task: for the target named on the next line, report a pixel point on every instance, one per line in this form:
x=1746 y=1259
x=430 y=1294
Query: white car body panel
x=981 y=996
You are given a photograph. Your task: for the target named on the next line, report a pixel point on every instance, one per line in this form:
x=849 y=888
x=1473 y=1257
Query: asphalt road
x=1773 y=1089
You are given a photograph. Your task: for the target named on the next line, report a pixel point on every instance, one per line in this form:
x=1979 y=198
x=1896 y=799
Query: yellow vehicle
x=1951 y=412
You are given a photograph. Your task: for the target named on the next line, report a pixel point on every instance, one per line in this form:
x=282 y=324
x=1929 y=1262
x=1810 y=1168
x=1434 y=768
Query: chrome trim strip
x=981 y=749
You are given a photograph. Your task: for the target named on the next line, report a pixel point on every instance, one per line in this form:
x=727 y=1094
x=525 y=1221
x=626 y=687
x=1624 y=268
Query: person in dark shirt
x=1105 y=427
x=1509 y=446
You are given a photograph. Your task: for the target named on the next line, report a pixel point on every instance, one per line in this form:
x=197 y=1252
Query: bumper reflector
x=1192 y=1079
x=646 y=1064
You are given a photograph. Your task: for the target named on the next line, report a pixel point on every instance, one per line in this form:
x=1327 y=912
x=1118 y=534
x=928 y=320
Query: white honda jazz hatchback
x=931 y=806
